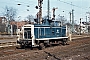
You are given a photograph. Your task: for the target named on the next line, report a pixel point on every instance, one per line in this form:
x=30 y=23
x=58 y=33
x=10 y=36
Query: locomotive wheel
x=64 y=42
x=31 y=48
x=50 y=44
x=22 y=46
x=41 y=46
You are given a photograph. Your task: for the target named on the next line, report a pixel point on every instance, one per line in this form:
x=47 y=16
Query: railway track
x=12 y=42
x=8 y=44
x=77 y=48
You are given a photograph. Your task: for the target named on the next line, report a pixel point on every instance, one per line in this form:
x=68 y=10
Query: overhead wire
x=85 y=8
x=15 y=3
x=82 y=9
x=73 y=5
x=24 y=3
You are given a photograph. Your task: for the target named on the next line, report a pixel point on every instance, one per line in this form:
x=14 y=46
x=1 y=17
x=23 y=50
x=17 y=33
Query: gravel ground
x=78 y=49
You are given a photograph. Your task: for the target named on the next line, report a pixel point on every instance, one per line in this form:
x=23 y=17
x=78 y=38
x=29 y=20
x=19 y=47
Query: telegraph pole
x=70 y=33
x=8 y=25
x=86 y=19
x=72 y=20
x=89 y=15
x=80 y=26
x=48 y=9
x=70 y=17
x=8 y=22
x=86 y=25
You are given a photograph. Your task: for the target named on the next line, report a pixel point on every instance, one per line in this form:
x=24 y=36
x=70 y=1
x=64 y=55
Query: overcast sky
x=80 y=7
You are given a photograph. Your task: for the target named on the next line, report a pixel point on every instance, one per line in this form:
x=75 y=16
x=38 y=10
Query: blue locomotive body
x=49 y=32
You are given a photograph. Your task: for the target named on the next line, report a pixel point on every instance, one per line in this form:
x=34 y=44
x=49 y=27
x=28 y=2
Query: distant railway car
x=41 y=35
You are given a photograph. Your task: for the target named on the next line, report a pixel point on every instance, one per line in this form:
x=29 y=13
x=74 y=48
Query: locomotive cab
x=26 y=36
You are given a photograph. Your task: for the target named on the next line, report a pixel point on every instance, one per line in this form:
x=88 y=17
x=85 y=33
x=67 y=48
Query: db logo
x=57 y=31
